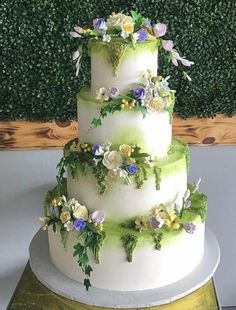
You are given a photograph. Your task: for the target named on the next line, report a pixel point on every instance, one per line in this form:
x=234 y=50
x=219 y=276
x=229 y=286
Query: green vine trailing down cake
x=124 y=218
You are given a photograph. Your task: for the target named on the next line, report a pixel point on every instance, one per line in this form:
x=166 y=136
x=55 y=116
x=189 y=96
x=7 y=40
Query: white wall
x=25 y=176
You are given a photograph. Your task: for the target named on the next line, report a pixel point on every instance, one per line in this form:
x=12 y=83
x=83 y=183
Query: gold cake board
x=31 y=294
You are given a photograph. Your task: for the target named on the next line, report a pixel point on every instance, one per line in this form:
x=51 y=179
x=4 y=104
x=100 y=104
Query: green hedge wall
x=37 y=73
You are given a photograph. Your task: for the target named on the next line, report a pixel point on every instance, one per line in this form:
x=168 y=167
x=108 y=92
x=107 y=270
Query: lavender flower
x=159 y=29
x=189 y=228
x=54 y=212
x=167 y=45
x=175 y=57
x=142 y=35
x=97 y=149
x=99 y=24
x=98 y=217
x=156 y=222
x=113 y=92
x=132 y=169
x=177 y=207
x=139 y=93
x=80 y=224
x=187 y=204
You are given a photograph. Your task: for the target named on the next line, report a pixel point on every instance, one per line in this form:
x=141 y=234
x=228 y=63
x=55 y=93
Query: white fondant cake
x=126 y=219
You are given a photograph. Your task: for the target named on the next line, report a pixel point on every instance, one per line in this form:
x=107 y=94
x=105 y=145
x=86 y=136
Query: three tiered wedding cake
x=125 y=218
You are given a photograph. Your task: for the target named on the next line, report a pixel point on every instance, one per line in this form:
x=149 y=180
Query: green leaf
x=79 y=250
x=88 y=270
x=96 y=122
x=87 y=284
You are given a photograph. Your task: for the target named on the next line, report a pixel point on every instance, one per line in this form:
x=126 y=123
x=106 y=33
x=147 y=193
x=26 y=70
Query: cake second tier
x=152 y=132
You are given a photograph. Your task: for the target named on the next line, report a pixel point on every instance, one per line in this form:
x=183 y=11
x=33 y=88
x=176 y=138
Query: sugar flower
x=76 y=57
x=80 y=212
x=98 y=217
x=113 y=92
x=106 y=38
x=117 y=20
x=77 y=31
x=65 y=216
x=54 y=212
x=132 y=169
x=189 y=228
x=69 y=226
x=142 y=35
x=102 y=94
x=139 y=93
x=97 y=150
x=159 y=29
x=125 y=149
x=99 y=24
x=96 y=161
x=196 y=186
x=106 y=146
x=147 y=24
x=127 y=29
x=167 y=45
x=162 y=211
x=56 y=202
x=141 y=223
x=173 y=222
x=80 y=224
x=156 y=222
x=175 y=57
x=112 y=160
x=155 y=105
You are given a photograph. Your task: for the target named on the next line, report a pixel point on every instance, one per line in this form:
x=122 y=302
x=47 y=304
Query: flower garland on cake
x=132 y=30
x=152 y=95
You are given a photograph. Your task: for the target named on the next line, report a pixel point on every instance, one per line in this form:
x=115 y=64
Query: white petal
x=74 y=34
x=76 y=55
x=186 y=62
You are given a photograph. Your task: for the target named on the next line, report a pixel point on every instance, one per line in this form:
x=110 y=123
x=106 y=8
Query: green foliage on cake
x=38 y=76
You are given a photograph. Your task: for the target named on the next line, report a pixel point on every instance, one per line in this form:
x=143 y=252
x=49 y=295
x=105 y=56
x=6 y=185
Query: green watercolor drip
x=157 y=173
x=129 y=243
x=116 y=51
x=64 y=235
x=157 y=240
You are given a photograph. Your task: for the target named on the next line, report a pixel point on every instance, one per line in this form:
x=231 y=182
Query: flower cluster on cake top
x=151 y=95
x=132 y=29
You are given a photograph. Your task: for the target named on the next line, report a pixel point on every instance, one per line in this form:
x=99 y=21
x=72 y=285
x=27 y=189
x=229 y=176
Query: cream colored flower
x=117 y=20
x=141 y=223
x=173 y=222
x=155 y=105
x=102 y=94
x=112 y=160
x=162 y=211
x=65 y=216
x=127 y=29
x=80 y=212
x=69 y=226
x=125 y=149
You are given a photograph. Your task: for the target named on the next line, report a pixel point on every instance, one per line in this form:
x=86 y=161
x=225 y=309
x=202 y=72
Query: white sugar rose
x=112 y=160
x=80 y=212
x=117 y=20
x=155 y=105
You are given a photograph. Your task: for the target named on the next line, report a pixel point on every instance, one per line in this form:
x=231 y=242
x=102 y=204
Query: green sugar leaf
x=87 y=284
x=129 y=243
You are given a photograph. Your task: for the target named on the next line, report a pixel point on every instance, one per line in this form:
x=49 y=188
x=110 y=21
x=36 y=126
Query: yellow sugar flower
x=65 y=216
x=128 y=27
x=173 y=222
x=125 y=149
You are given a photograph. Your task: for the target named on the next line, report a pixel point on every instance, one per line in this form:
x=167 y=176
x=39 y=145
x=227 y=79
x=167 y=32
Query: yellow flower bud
x=126 y=103
x=123 y=100
x=122 y=106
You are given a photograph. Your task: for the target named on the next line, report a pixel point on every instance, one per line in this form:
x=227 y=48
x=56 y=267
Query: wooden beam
x=35 y=135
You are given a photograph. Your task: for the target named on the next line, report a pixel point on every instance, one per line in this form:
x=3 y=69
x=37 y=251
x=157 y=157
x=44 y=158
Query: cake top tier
x=120 y=32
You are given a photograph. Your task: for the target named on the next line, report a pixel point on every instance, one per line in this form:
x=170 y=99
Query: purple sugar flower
x=98 y=217
x=159 y=29
x=156 y=222
x=99 y=24
x=142 y=35
x=187 y=204
x=113 y=92
x=79 y=224
x=167 y=45
x=132 y=169
x=97 y=149
x=139 y=93
x=177 y=207
x=189 y=228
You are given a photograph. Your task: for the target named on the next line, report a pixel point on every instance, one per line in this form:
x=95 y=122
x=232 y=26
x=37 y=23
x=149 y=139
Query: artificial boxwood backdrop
x=37 y=73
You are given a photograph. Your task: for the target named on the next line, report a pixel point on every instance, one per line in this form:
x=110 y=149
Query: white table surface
x=25 y=177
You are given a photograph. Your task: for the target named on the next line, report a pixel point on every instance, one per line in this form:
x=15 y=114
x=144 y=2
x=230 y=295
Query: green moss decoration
x=129 y=243
x=157 y=240
x=116 y=51
x=199 y=205
x=157 y=173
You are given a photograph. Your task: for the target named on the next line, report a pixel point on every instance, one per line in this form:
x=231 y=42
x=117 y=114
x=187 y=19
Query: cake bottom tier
x=179 y=255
